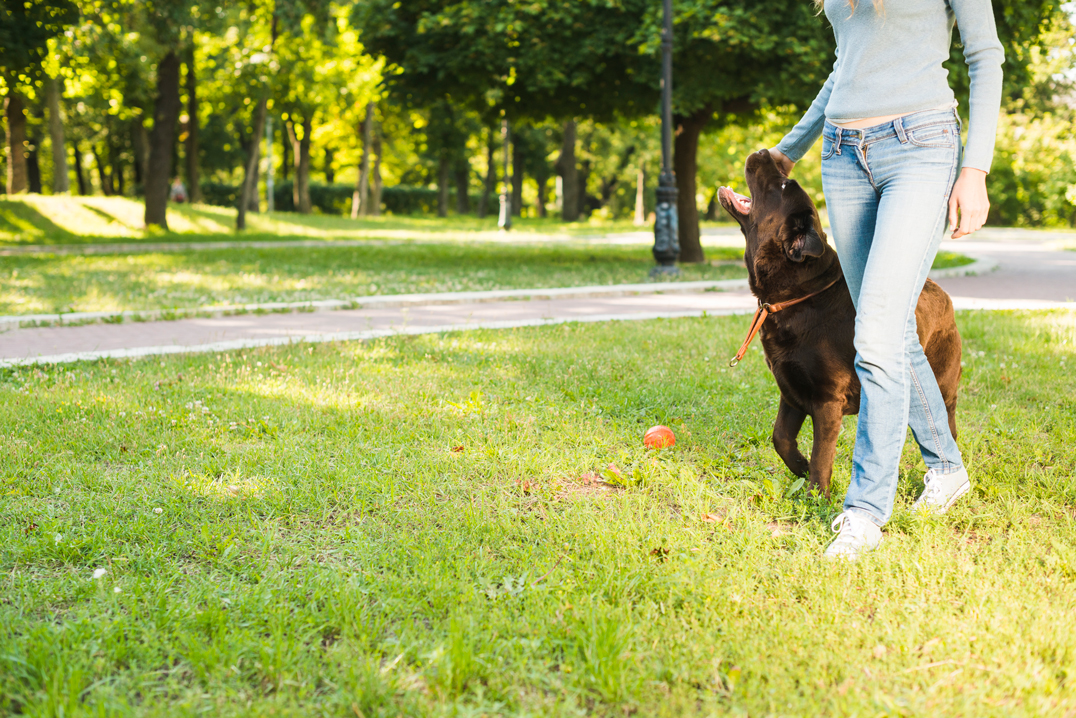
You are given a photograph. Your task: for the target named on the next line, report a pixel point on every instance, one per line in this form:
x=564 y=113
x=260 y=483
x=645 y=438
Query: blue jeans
x=887 y=190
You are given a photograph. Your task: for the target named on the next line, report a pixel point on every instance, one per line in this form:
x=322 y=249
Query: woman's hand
x=969 y=200
x=783 y=163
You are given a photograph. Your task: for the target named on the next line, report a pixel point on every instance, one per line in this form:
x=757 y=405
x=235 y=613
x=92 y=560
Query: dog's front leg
x=827 y=427
x=785 y=430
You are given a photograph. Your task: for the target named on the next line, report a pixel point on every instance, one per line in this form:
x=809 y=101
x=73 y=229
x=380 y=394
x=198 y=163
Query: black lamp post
x=505 y=219
x=666 y=224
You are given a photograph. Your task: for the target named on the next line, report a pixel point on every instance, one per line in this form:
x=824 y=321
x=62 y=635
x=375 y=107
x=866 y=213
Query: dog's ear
x=802 y=239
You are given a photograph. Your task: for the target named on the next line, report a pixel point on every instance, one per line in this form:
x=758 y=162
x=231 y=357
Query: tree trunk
x=491 y=177
x=15 y=115
x=301 y=150
x=711 y=206
x=103 y=176
x=584 y=177
x=254 y=199
x=285 y=151
x=330 y=177
x=141 y=154
x=375 y=189
x=194 y=189
x=640 y=197
x=250 y=172
x=161 y=141
x=517 y=179
x=463 y=186
x=569 y=173
x=360 y=200
x=80 y=176
x=61 y=182
x=685 y=164
x=33 y=167
x=541 y=177
x=442 y=184
x=115 y=168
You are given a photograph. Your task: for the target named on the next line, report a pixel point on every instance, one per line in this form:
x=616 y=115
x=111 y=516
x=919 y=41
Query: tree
x=168 y=26
x=26 y=26
x=194 y=190
x=598 y=59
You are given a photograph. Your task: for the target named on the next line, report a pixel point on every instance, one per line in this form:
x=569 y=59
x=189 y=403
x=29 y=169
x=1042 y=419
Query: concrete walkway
x=1030 y=274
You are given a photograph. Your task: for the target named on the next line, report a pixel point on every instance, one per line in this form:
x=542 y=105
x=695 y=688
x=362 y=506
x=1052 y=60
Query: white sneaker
x=857 y=536
x=941 y=491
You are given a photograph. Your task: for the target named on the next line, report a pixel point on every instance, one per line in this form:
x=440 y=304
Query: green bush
x=219 y=194
x=336 y=198
x=1033 y=179
x=324 y=198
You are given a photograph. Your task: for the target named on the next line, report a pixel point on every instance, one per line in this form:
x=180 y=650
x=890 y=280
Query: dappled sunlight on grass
x=61 y=219
x=479 y=505
x=30 y=284
x=64 y=219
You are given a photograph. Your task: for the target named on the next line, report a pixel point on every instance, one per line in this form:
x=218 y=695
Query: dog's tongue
x=741 y=203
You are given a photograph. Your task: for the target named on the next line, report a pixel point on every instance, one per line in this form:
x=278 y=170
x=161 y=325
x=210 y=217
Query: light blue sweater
x=889 y=62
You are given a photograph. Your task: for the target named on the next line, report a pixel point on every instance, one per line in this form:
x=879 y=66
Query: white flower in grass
x=158 y=510
x=58 y=538
x=99 y=572
x=117 y=589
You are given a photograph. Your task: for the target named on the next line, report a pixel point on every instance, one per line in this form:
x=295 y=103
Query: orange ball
x=659 y=437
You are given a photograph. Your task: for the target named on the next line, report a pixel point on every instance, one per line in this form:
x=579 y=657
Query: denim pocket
x=828 y=147
x=933 y=136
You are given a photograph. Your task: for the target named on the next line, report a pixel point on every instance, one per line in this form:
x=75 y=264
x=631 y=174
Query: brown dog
x=808 y=345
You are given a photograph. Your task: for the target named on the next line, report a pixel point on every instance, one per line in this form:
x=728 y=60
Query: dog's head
x=779 y=220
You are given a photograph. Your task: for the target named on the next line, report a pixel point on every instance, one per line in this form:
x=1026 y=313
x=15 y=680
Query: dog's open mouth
x=735 y=201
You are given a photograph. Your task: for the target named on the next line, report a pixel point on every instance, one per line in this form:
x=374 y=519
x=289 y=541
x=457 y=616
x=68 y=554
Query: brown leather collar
x=764 y=310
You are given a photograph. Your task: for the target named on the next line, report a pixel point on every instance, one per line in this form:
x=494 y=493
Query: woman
x=891 y=152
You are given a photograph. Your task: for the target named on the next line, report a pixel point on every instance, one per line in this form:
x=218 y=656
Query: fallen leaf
x=457 y=449
x=661 y=553
x=31 y=528
x=525 y=486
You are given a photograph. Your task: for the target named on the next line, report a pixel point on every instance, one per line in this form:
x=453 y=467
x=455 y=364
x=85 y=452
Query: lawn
x=204 y=279
x=431 y=525
x=39 y=219
x=31 y=284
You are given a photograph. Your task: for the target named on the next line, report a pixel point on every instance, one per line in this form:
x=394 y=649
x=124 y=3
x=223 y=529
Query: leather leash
x=764 y=310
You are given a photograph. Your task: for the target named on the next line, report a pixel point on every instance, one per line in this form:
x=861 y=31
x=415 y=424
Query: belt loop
x=898 y=125
x=837 y=149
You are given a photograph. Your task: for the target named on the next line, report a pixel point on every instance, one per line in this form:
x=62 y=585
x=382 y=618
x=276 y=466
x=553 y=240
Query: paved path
x=1030 y=274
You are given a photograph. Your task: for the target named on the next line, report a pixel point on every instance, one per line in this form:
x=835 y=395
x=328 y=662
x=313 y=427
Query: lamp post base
x=663 y=271
x=666 y=228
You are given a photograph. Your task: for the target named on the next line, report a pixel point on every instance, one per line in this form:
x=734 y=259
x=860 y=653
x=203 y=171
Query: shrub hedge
x=336 y=198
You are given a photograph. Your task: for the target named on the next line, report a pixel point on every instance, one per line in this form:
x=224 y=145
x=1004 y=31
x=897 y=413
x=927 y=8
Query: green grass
x=411 y=527
x=37 y=284
x=37 y=219
x=31 y=284
x=948 y=260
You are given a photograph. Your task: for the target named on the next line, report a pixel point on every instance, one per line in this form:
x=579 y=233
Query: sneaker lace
x=842 y=523
x=932 y=490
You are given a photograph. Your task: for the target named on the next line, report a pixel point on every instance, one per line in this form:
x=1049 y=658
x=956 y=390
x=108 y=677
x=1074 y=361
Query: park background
x=466 y=523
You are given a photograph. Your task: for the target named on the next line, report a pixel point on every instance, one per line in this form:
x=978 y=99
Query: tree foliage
x=26 y=26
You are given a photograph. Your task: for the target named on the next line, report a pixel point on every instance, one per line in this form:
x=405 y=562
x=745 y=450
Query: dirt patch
x=587 y=486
